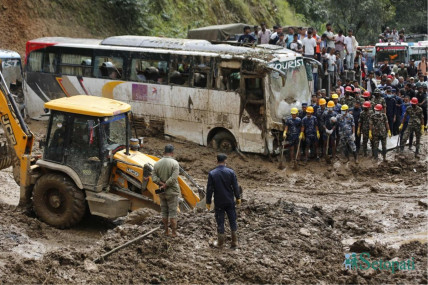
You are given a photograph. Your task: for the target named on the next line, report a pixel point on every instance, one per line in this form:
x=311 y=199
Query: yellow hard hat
x=294 y=111
x=344 y=107
x=330 y=104
x=310 y=109
x=334 y=96
x=322 y=101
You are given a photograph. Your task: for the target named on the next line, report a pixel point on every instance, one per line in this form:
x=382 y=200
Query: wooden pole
x=125 y=245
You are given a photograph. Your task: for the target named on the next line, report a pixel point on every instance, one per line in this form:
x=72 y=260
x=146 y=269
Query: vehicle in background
x=218 y=33
x=394 y=53
x=220 y=95
x=11 y=66
x=418 y=50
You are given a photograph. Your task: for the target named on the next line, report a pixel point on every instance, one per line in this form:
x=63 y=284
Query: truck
x=89 y=161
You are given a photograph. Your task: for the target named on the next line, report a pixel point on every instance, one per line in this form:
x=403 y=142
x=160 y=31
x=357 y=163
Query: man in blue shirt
x=222 y=182
x=246 y=38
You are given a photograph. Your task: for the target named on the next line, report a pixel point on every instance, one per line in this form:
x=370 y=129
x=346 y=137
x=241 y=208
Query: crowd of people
x=352 y=117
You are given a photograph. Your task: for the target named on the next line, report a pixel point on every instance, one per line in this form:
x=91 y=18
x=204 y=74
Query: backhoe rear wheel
x=57 y=201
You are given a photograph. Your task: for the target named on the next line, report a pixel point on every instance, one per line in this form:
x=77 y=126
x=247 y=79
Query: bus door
x=253 y=112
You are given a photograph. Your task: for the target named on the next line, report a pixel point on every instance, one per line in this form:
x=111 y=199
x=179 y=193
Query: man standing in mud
x=223 y=184
x=347 y=132
x=310 y=133
x=364 y=125
x=165 y=174
x=379 y=128
x=415 y=125
x=292 y=127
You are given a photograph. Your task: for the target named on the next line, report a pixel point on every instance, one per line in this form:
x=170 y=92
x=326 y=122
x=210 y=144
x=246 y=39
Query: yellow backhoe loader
x=89 y=161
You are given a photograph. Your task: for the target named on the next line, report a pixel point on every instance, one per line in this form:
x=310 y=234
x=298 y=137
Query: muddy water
x=294 y=224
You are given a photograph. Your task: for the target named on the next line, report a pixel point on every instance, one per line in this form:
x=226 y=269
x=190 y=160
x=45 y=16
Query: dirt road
x=294 y=226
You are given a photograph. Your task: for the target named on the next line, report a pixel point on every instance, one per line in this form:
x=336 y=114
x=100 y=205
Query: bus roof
x=88 y=105
x=264 y=53
x=4 y=53
x=391 y=44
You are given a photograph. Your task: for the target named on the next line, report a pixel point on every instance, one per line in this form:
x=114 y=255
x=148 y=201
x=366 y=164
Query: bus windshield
x=396 y=55
x=288 y=91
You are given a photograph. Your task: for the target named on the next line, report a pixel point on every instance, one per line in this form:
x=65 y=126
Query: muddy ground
x=294 y=227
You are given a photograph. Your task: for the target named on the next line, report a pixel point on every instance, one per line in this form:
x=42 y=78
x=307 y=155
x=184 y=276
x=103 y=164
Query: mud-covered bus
x=227 y=96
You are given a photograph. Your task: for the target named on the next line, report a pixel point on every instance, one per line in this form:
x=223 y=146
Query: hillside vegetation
x=23 y=20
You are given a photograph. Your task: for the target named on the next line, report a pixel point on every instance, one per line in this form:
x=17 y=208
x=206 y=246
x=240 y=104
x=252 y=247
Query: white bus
x=227 y=96
x=394 y=53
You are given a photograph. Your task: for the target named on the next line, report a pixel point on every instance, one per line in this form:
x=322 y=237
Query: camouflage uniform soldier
x=378 y=129
x=364 y=125
x=348 y=99
x=416 y=124
x=346 y=131
x=320 y=111
x=377 y=99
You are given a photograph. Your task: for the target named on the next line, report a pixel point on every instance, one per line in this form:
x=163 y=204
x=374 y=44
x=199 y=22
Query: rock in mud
x=305 y=232
x=360 y=246
x=90 y=266
x=423 y=203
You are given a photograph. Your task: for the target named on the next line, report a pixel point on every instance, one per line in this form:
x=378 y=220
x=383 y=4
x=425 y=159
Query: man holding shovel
x=291 y=133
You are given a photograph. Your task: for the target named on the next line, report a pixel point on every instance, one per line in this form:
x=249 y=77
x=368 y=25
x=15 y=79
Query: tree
x=365 y=17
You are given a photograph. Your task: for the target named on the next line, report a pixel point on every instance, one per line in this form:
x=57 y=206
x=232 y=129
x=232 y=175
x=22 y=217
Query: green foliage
x=366 y=17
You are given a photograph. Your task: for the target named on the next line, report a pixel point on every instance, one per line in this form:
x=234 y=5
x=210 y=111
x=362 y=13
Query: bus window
x=152 y=71
x=201 y=71
x=108 y=67
x=253 y=88
x=49 y=62
x=76 y=64
x=230 y=79
x=35 y=61
x=180 y=70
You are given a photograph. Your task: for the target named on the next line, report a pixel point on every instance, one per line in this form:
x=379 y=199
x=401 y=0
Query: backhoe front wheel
x=57 y=201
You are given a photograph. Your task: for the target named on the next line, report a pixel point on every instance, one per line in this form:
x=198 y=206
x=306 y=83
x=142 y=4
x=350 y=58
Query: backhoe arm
x=18 y=135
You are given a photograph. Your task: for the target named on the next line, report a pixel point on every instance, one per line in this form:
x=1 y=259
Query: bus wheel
x=224 y=141
x=57 y=201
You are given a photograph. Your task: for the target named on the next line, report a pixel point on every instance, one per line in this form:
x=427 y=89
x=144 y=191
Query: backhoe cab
x=87 y=162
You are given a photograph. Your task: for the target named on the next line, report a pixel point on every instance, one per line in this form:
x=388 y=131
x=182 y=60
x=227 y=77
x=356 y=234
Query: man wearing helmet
x=346 y=125
x=364 y=125
x=310 y=132
x=378 y=100
x=291 y=131
x=348 y=99
x=416 y=124
x=329 y=129
x=366 y=96
x=320 y=111
x=379 y=128
x=337 y=105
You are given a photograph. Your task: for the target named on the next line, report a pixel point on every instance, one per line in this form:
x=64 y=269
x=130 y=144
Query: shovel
x=327 y=157
x=297 y=155
x=281 y=163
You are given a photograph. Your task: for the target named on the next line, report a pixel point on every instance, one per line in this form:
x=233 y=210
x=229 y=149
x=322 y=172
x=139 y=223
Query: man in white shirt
x=264 y=34
x=309 y=45
x=331 y=65
x=350 y=51
x=330 y=37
